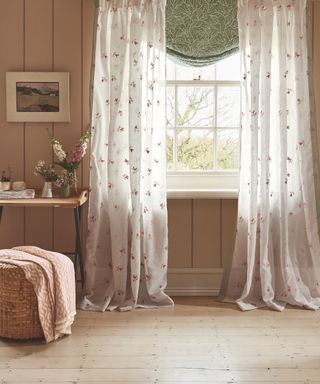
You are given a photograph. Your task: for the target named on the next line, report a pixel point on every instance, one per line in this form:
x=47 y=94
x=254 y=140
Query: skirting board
x=194 y=281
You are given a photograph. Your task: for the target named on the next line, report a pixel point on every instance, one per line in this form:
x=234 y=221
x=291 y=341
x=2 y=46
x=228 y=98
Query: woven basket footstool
x=19 y=317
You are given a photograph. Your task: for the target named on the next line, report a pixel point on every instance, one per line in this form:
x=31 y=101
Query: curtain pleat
x=277 y=253
x=127 y=244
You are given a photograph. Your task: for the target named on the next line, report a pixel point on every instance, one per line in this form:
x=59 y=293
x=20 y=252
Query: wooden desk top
x=55 y=201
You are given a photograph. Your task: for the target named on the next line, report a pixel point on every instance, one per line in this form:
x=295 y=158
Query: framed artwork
x=38 y=96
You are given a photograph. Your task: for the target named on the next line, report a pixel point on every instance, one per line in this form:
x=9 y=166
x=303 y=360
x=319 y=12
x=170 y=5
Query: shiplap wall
x=56 y=35
x=201 y=239
x=43 y=35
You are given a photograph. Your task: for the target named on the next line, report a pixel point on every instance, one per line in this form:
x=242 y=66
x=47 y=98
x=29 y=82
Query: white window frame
x=194 y=182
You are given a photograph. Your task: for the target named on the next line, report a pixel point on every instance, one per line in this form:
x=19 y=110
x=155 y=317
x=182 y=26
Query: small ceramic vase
x=47 y=189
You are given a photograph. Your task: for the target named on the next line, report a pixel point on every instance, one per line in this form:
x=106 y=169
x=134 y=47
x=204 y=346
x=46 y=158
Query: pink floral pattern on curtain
x=127 y=247
x=277 y=255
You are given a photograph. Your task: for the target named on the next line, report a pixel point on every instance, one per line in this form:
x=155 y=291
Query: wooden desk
x=74 y=202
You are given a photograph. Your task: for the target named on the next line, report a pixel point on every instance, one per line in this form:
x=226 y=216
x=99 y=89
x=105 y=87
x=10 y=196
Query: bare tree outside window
x=203 y=117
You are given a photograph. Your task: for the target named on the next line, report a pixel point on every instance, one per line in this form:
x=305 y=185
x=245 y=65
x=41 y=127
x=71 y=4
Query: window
x=203 y=119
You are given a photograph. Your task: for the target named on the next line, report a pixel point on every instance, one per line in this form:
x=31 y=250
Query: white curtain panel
x=277 y=255
x=127 y=244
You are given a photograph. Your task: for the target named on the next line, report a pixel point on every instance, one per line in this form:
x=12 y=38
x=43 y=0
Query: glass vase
x=65 y=191
x=47 y=189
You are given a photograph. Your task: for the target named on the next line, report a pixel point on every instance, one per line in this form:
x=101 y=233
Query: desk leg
x=1 y=208
x=78 y=248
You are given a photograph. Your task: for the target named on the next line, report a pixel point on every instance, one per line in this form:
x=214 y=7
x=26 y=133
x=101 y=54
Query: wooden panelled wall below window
x=201 y=240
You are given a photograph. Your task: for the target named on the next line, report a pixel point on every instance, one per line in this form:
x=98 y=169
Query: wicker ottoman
x=19 y=318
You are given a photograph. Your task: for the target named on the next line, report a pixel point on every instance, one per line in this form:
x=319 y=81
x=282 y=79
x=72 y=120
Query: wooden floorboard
x=197 y=341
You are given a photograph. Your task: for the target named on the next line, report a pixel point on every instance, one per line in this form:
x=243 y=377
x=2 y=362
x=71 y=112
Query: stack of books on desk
x=25 y=194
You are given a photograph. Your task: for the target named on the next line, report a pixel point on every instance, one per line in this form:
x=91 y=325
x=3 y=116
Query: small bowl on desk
x=5 y=186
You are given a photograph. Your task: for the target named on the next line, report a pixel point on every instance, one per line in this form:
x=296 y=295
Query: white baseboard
x=185 y=291
x=194 y=281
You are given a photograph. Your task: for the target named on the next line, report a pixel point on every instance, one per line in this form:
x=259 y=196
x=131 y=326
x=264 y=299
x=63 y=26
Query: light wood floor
x=198 y=341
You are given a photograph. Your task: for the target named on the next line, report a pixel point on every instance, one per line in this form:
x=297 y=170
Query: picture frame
x=37 y=96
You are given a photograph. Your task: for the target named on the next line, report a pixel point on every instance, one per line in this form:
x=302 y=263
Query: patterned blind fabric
x=201 y=32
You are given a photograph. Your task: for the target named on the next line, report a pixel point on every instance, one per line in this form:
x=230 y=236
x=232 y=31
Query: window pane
x=182 y=72
x=195 y=149
x=195 y=106
x=228 y=107
x=170 y=106
x=227 y=148
x=170 y=69
x=170 y=143
x=229 y=68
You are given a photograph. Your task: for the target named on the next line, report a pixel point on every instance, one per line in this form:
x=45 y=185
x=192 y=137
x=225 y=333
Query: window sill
x=202 y=193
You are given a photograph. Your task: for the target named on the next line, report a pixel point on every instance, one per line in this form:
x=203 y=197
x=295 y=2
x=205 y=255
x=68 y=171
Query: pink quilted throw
x=53 y=279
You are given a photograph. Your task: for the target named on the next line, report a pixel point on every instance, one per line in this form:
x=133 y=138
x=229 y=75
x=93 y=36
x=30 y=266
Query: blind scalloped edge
x=201 y=32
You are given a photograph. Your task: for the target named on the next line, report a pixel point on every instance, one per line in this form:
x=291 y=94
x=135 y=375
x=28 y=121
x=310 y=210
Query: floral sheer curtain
x=277 y=253
x=127 y=243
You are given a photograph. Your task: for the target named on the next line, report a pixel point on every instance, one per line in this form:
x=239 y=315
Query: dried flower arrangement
x=5 y=180
x=6 y=175
x=46 y=171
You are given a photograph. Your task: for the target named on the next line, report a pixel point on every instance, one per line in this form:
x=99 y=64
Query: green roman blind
x=201 y=32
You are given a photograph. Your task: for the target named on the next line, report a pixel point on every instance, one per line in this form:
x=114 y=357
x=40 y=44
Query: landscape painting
x=37 y=96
